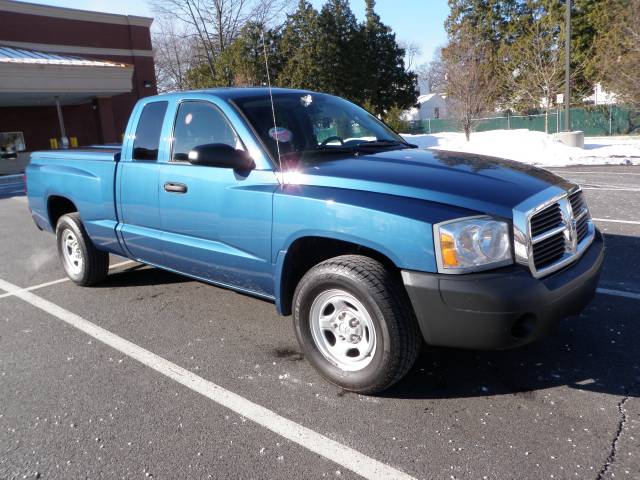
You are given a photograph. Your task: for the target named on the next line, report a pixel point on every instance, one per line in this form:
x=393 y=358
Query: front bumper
x=504 y=308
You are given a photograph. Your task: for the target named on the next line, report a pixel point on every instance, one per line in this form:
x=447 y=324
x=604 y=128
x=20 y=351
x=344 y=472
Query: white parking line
x=315 y=442
x=619 y=293
x=628 y=222
x=598 y=173
x=61 y=280
x=36 y=287
x=612 y=189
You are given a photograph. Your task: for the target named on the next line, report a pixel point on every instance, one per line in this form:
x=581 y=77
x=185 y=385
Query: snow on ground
x=536 y=148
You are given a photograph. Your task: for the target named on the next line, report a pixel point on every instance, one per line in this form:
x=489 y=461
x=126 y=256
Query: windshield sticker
x=281 y=134
x=306 y=100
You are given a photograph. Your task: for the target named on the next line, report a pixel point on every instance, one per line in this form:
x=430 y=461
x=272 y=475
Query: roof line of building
x=78 y=50
x=34 y=57
x=73 y=14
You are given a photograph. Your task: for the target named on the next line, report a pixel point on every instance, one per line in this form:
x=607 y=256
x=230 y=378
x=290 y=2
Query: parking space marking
x=619 y=293
x=36 y=287
x=597 y=173
x=612 y=189
x=311 y=440
x=61 y=280
x=628 y=222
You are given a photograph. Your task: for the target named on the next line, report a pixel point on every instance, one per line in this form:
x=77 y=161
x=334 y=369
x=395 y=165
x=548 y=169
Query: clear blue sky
x=419 y=21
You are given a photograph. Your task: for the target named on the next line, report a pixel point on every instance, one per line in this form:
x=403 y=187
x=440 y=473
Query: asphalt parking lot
x=154 y=375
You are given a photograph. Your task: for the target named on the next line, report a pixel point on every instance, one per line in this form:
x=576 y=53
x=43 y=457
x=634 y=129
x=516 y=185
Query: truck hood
x=484 y=184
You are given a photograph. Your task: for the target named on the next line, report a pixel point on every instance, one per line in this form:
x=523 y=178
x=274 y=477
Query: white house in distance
x=600 y=96
x=430 y=106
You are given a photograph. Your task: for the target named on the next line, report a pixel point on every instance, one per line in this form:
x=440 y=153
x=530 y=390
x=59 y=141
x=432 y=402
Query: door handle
x=173 y=187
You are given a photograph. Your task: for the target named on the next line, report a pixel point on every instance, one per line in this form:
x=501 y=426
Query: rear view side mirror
x=221 y=155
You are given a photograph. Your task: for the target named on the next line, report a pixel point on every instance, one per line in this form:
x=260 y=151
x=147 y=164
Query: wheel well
x=58 y=206
x=306 y=252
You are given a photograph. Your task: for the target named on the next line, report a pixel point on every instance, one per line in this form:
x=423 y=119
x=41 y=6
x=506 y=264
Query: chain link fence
x=595 y=121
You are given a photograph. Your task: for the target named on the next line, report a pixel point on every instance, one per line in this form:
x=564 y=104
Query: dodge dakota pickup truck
x=373 y=246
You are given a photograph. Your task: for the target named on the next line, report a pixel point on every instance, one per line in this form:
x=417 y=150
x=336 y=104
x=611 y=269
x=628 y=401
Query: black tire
x=95 y=263
x=388 y=305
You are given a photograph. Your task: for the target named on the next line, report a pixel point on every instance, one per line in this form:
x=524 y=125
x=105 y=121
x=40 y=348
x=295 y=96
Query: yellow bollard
x=73 y=142
x=53 y=143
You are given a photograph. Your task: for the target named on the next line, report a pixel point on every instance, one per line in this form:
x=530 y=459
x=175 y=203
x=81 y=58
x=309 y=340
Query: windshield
x=309 y=124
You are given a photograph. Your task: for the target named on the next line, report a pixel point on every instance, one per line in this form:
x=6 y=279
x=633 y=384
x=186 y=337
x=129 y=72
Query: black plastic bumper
x=504 y=308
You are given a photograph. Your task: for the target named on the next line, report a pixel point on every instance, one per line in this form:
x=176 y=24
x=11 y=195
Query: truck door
x=140 y=224
x=216 y=222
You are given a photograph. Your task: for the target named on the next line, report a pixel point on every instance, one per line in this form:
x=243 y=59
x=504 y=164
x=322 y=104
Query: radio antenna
x=273 y=108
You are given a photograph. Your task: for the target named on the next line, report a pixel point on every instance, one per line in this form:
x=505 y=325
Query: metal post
x=610 y=120
x=63 y=133
x=429 y=125
x=567 y=71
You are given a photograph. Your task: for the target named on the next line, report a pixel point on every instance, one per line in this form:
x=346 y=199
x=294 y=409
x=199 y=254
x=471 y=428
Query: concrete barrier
x=572 y=139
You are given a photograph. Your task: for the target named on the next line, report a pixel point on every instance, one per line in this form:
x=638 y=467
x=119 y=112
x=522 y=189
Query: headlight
x=472 y=244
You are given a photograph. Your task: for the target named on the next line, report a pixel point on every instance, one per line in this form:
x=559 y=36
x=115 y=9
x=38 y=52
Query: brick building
x=70 y=73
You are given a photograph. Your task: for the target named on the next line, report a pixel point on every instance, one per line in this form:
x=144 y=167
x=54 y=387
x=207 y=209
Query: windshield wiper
x=328 y=149
x=383 y=144
x=354 y=149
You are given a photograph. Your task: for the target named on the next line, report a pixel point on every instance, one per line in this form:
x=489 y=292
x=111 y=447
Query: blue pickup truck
x=304 y=199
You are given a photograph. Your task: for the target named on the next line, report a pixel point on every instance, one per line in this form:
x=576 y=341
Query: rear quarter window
x=147 y=141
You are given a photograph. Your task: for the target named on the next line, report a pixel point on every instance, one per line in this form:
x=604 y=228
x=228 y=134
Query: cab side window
x=200 y=123
x=147 y=141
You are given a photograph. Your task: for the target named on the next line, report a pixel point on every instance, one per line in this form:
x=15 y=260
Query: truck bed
x=104 y=153
x=86 y=176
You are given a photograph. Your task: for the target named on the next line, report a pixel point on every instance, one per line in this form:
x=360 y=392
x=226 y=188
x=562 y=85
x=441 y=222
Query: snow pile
x=535 y=148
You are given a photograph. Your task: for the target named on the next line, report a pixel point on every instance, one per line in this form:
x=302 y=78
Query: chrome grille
x=580 y=213
x=546 y=220
x=549 y=250
x=553 y=233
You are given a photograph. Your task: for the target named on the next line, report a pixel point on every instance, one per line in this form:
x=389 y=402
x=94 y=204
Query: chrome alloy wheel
x=71 y=252
x=343 y=330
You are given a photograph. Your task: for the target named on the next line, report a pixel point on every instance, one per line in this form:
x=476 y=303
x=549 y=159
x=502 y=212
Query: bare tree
x=431 y=75
x=412 y=50
x=173 y=54
x=192 y=14
x=470 y=82
x=533 y=70
x=214 y=24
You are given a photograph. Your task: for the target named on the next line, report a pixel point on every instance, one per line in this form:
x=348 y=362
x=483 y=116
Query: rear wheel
x=81 y=260
x=355 y=324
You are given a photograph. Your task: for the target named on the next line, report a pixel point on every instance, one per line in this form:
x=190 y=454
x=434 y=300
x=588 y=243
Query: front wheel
x=82 y=261
x=355 y=324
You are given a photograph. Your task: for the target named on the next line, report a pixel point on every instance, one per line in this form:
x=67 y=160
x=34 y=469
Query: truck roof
x=230 y=93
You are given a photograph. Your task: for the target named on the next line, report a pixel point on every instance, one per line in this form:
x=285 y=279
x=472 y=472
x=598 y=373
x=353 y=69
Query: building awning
x=32 y=78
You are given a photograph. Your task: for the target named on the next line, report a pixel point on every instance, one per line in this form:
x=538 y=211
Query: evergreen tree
x=327 y=51
x=503 y=23
x=300 y=49
x=340 y=57
x=494 y=21
x=584 y=18
x=616 y=63
x=246 y=55
x=386 y=82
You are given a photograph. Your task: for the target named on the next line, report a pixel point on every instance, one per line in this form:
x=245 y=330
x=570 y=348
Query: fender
x=90 y=189
x=399 y=228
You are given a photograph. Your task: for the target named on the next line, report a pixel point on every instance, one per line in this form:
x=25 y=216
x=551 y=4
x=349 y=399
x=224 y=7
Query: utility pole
x=567 y=67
